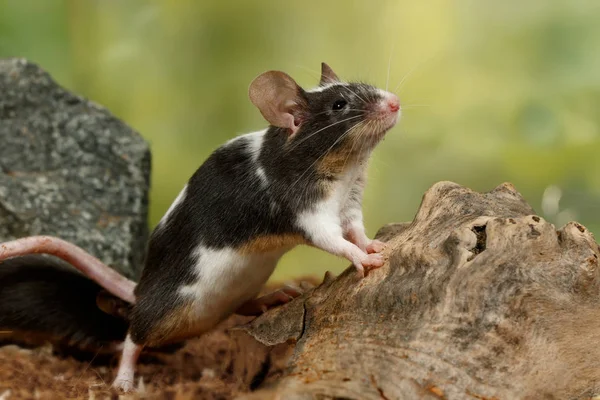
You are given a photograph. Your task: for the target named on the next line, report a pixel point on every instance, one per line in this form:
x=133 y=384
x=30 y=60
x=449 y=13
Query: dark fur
x=43 y=299
x=225 y=205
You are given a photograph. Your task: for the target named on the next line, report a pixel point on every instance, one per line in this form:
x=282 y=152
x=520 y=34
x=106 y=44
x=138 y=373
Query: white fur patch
x=262 y=175
x=322 y=223
x=383 y=93
x=351 y=212
x=255 y=141
x=227 y=279
x=326 y=86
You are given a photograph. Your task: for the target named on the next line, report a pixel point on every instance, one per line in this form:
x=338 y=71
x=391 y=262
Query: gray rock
x=71 y=169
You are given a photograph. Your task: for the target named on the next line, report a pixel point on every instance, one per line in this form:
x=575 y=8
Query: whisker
x=352 y=148
x=350 y=109
x=342 y=136
x=365 y=131
x=356 y=94
x=387 y=80
x=302 y=140
x=361 y=139
x=272 y=183
x=312 y=72
x=410 y=72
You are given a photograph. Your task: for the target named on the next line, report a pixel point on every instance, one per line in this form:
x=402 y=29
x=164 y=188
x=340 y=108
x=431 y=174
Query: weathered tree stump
x=479 y=298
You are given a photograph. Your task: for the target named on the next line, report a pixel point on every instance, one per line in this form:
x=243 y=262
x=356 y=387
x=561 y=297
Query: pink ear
x=327 y=75
x=279 y=99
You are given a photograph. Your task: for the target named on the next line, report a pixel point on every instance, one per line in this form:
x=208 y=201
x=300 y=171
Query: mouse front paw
x=375 y=246
x=373 y=260
x=367 y=262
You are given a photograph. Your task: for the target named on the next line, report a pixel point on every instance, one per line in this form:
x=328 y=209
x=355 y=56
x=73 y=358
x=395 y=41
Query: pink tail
x=93 y=268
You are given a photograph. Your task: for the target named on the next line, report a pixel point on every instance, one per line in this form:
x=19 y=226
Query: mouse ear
x=327 y=75
x=279 y=99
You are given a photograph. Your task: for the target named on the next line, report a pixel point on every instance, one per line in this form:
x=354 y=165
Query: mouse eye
x=339 y=104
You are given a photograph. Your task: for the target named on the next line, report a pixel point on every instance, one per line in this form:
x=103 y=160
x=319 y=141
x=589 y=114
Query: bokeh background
x=493 y=91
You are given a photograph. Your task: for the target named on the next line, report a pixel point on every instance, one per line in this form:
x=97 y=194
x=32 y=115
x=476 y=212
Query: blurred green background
x=492 y=91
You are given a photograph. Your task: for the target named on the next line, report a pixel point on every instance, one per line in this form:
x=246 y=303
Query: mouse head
x=332 y=115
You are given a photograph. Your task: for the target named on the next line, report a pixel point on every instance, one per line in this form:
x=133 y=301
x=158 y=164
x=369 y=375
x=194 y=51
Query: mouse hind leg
x=261 y=304
x=153 y=325
x=148 y=326
x=129 y=357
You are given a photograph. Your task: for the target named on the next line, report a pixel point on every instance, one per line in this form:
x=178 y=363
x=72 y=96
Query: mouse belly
x=224 y=280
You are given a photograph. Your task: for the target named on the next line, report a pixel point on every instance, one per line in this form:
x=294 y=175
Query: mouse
x=44 y=300
x=300 y=181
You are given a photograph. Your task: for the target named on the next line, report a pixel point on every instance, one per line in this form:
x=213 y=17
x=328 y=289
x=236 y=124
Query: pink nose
x=394 y=104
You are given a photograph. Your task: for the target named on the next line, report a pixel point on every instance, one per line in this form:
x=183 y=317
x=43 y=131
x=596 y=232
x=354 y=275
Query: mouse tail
x=112 y=281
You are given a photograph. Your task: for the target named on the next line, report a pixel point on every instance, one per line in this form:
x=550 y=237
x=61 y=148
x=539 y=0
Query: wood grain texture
x=479 y=299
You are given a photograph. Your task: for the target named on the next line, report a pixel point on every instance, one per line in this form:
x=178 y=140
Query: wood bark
x=479 y=299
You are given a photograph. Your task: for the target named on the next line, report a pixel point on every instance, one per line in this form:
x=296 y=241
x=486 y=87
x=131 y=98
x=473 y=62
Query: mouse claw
x=368 y=262
x=360 y=270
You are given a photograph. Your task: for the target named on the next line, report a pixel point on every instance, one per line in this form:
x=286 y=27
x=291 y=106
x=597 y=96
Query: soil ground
x=218 y=365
